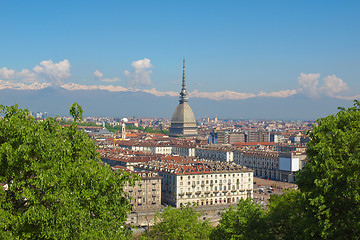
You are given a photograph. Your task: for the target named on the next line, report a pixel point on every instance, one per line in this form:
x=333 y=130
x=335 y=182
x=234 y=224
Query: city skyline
x=235 y=51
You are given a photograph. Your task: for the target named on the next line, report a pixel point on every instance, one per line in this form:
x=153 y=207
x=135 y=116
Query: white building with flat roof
x=202 y=184
x=271 y=164
x=220 y=153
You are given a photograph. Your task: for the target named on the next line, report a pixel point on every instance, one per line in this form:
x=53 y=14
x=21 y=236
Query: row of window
x=216 y=181
x=221 y=188
x=220 y=175
x=215 y=201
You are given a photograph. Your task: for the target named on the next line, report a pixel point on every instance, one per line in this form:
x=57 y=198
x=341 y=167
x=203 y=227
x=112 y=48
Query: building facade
x=186 y=150
x=204 y=184
x=273 y=165
x=146 y=146
x=215 y=153
x=257 y=136
x=145 y=196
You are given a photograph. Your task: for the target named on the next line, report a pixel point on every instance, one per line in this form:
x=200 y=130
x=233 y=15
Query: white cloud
x=98 y=74
x=308 y=84
x=115 y=79
x=46 y=71
x=127 y=73
x=54 y=73
x=26 y=75
x=142 y=64
x=334 y=85
x=140 y=76
x=6 y=73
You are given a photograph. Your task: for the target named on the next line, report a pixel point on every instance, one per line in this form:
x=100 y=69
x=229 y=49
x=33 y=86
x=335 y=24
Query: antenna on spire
x=183 y=93
x=183 y=78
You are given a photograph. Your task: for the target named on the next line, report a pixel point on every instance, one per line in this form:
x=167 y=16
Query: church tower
x=183 y=122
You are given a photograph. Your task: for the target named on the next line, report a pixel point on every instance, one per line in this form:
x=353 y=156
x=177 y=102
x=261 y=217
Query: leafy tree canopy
x=330 y=180
x=182 y=224
x=247 y=221
x=286 y=216
x=55 y=186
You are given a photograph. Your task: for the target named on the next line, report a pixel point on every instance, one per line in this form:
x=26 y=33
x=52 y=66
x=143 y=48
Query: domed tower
x=183 y=122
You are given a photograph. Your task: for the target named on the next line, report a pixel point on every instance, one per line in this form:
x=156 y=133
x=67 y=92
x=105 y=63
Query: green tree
x=55 y=186
x=183 y=223
x=330 y=181
x=286 y=216
x=247 y=221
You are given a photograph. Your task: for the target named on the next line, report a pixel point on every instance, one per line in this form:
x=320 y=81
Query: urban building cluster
x=39 y=115
x=184 y=180
x=209 y=162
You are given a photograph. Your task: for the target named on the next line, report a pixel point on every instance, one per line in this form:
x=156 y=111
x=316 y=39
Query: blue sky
x=233 y=49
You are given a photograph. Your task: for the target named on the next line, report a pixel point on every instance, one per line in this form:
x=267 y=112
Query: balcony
x=207 y=192
x=203 y=185
x=188 y=193
x=181 y=194
x=198 y=192
x=211 y=184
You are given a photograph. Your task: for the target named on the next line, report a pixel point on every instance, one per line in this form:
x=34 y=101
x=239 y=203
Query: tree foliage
x=183 y=223
x=286 y=216
x=55 y=186
x=327 y=205
x=76 y=112
x=330 y=180
x=247 y=221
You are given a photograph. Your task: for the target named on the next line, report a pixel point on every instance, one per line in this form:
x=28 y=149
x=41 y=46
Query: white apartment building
x=202 y=184
x=147 y=147
x=272 y=165
x=184 y=150
x=215 y=152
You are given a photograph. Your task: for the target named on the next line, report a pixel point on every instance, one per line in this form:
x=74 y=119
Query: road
x=262 y=197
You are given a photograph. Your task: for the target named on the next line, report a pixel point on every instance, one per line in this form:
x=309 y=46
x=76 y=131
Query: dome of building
x=183 y=113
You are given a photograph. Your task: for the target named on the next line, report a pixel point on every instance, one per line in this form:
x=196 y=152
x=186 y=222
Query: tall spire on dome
x=183 y=121
x=183 y=93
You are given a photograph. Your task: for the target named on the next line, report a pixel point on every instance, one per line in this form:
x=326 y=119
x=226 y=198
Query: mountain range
x=57 y=101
